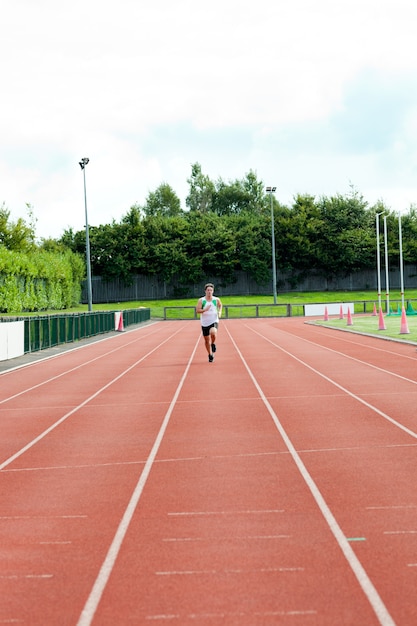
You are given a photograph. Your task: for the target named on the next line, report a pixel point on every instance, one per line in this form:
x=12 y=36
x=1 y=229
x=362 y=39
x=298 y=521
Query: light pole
x=272 y=190
x=83 y=163
x=400 y=236
x=378 y=260
x=386 y=263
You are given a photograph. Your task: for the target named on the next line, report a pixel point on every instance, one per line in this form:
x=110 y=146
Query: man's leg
x=213 y=336
x=207 y=343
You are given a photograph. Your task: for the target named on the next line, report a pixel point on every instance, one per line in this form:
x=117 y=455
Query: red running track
x=142 y=485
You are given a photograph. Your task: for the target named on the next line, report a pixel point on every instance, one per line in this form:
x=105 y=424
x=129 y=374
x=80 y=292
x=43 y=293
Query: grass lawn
x=369 y=324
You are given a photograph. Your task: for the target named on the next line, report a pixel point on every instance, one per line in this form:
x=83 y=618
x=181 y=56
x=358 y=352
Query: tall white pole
x=401 y=260
x=378 y=260
x=82 y=164
x=386 y=263
x=272 y=190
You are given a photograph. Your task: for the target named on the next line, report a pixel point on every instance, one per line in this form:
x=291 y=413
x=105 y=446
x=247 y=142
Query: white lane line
x=385 y=508
x=54 y=543
x=215 y=572
x=90 y=607
x=81 y=405
x=260 y=512
x=332 y=382
x=364 y=581
x=225 y=538
x=41 y=517
x=222 y=616
x=400 y=532
x=25 y=576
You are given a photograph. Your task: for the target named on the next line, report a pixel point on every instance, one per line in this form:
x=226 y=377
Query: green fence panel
x=51 y=330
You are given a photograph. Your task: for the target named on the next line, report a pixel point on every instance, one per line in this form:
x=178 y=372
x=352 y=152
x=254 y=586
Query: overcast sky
x=314 y=96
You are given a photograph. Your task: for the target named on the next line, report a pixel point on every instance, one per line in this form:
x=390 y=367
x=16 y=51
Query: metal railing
x=231 y=311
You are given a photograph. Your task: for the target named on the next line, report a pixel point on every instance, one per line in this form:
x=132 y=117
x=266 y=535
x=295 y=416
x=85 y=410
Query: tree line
x=226 y=227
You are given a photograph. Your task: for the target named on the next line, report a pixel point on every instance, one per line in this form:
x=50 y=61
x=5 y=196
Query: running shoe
x=211 y=358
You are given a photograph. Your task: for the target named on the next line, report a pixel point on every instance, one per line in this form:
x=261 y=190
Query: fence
x=154 y=288
x=231 y=311
x=47 y=331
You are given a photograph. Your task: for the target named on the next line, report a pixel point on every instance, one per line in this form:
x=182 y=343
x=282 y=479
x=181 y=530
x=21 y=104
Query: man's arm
x=219 y=307
x=199 y=308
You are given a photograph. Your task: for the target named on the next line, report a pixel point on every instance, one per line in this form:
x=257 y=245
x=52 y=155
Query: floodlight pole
x=401 y=260
x=386 y=263
x=378 y=260
x=83 y=163
x=272 y=190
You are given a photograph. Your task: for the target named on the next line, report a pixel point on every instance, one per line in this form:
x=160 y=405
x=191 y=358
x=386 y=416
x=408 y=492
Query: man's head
x=209 y=288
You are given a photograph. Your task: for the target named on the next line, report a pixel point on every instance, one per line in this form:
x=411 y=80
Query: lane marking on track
x=41 y=517
x=191 y=459
x=222 y=616
x=260 y=512
x=25 y=576
x=100 y=583
x=333 y=382
x=399 y=506
x=356 y=566
x=225 y=538
x=216 y=572
x=74 y=369
x=400 y=532
x=82 y=404
x=54 y=543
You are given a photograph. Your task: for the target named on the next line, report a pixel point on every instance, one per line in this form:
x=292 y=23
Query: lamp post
x=272 y=190
x=83 y=163
x=400 y=236
x=378 y=260
x=386 y=264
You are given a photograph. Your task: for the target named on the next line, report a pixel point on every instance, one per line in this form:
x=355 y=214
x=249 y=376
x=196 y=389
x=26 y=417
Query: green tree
x=345 y=242
x=201 y=192
x=18 y=235
x=253 y=245
x=163 y=201
x=409 y=235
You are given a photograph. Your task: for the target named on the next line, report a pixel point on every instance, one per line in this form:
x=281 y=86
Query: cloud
x=308 y=95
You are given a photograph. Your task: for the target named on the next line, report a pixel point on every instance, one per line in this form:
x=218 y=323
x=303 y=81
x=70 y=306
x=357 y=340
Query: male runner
x=210 y=310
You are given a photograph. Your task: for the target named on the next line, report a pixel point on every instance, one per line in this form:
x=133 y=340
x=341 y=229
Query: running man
x=210 y=311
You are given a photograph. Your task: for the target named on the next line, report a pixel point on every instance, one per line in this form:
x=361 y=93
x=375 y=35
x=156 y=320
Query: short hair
x=208 y=285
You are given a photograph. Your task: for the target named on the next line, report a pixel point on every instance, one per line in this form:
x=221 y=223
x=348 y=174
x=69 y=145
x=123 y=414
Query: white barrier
x=118 y=320
x=12 y=340
x=333 y=308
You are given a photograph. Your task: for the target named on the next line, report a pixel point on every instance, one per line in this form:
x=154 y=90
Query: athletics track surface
x=142 y=485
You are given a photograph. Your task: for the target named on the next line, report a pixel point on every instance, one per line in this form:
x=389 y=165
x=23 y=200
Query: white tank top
x=211 y=315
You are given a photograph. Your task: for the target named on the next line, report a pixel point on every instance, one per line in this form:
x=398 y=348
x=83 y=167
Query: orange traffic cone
x=404 y=326
x=326 y=314
x=374 y=311
x=341 y=313
x=381 y=325
x=349 y=317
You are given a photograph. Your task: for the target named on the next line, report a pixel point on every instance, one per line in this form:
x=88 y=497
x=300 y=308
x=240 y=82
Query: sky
x=314 y=97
